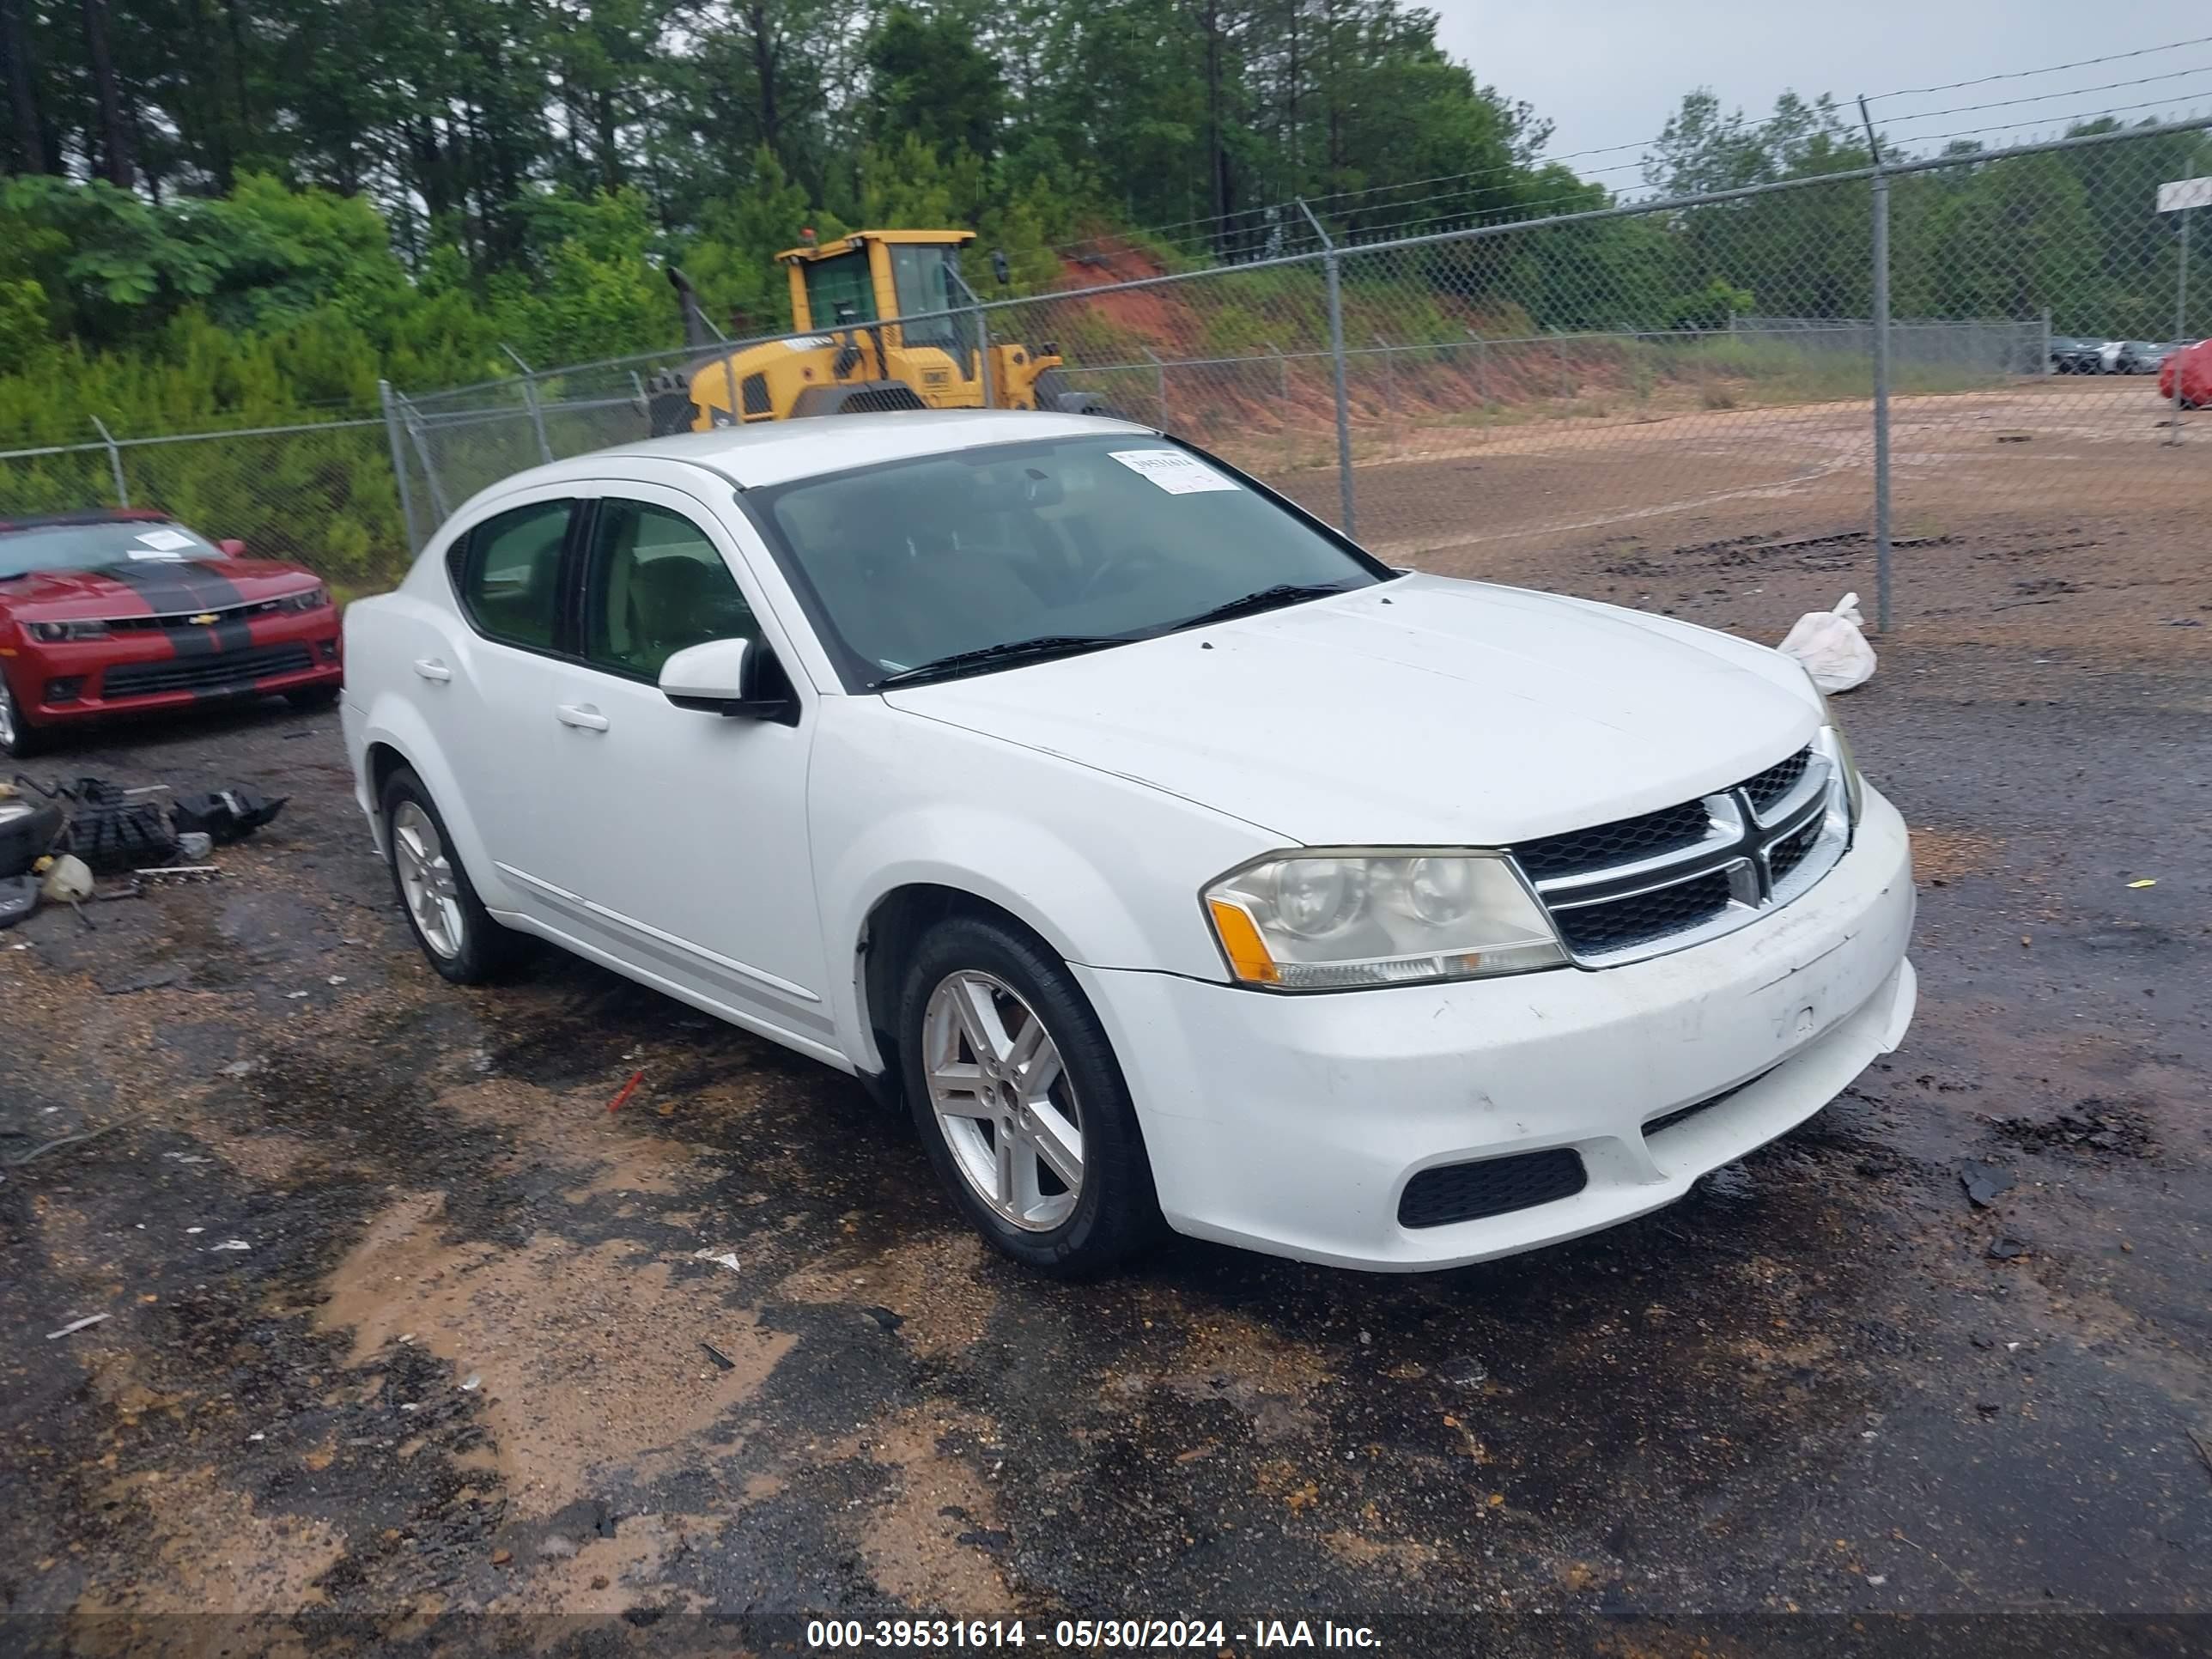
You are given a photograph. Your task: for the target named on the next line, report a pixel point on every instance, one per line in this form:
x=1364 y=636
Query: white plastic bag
x=1830 y=645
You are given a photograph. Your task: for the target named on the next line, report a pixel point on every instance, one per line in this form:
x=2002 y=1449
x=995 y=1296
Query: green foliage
x=930 y=82
x=1710 y=307
x=729 y=260
x=588 y=291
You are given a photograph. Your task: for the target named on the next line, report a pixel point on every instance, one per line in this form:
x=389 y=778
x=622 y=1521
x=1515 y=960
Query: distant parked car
x=2073 y=355
x=107 y=612
x=2140 y=357
x=2193 y=363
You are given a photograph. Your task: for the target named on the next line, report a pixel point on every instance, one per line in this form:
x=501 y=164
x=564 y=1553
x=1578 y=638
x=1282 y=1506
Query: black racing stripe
x=174 y=586
x=218 y=592
x=233 y=636
x=155 y=581
x=190 y=641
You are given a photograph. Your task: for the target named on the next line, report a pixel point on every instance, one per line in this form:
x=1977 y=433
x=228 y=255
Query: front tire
x=1017 y=1095
x=19 y=739
x=312 y=696
x=449 y=921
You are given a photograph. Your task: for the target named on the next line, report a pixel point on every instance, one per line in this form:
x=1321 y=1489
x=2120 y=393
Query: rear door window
x=510 y=575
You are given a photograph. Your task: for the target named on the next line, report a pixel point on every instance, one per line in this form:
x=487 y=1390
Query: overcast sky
x=1610 y=71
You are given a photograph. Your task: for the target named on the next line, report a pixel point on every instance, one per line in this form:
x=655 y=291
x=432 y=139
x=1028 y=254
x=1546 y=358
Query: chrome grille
x=1641 y=886
x=1616 y=843
x=1776 y=782
x=1622 y=924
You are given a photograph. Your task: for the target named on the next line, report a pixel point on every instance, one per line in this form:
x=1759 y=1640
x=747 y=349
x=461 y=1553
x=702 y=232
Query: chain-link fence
x=1911 y=352
x=323 y=495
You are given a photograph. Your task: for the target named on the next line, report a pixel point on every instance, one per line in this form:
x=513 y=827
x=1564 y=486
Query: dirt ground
x=404 y=1327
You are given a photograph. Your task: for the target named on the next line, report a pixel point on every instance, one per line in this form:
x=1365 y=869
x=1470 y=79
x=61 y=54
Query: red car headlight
x=312 y=599
x=49 y=633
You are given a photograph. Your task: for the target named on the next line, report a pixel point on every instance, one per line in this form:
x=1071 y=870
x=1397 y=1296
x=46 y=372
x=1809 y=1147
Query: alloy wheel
x=1003 y=1101
x=7 y=717
x=426 y=880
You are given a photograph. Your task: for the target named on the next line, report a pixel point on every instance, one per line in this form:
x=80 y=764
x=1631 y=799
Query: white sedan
x=1172 y=860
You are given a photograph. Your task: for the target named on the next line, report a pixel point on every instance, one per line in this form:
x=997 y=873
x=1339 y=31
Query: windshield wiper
x=1268 y=598
x=991 y=656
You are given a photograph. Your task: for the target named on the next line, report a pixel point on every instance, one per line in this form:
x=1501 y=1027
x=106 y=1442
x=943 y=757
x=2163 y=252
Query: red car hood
x=150 y=588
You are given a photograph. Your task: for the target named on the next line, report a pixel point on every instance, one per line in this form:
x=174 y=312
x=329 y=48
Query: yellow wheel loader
x=854 y=351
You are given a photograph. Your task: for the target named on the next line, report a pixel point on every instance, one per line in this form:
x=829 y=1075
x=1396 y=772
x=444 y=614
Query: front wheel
x=19 y=739
x=1018 y=1096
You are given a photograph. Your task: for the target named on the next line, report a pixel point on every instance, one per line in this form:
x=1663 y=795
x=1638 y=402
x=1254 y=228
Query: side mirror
x=726 y=677
x=231 y=548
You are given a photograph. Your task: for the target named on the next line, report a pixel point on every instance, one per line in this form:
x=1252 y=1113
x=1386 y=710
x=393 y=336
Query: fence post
x=1159 y=383
x=1481 y=372
x=975 y=309
x=1344 y=491
x=115 y=461
x=1390 y=389
x=530 y=397
x=2046 y=340
x=2181 y=321
x=1881 y=613
x=399 y=463
x=1559 y=351
x=1335 y=276
x=438 y=503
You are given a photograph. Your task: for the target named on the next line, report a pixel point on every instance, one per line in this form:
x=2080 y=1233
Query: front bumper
x=153 y=669
x=1292 y=1124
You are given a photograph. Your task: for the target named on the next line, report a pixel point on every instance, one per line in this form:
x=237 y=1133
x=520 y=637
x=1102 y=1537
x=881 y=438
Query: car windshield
x=1073 y=543
x=88 y=546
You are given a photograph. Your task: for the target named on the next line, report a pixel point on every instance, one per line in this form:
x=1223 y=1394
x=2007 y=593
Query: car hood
x=1422 y=712
x=157 y=587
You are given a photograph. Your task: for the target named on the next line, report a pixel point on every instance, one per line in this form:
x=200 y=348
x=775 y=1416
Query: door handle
x=581 y=715
x=431 y=669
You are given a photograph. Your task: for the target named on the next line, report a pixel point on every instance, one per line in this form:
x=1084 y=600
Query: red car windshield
x=90 y=546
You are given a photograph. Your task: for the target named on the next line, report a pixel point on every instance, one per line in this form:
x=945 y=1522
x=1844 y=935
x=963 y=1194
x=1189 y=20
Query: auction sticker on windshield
x=1173 y=471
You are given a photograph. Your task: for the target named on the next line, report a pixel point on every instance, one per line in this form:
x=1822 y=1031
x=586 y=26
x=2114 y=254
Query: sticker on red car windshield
x=160 y=545
x=1173 y=471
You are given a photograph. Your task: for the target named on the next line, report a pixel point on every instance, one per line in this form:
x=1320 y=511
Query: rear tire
x=1053 y=393
x=1010 y=1140
x=449 y=921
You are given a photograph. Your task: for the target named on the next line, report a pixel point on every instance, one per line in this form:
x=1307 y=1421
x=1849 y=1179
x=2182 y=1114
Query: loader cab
x=873 y=278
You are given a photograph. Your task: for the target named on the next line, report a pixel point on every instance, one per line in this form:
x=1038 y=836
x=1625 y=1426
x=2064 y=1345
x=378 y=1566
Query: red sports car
x=2194 y=364
x=101 y=612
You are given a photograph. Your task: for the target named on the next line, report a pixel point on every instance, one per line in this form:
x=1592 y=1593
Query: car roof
x=777 y=452
x=96 y=515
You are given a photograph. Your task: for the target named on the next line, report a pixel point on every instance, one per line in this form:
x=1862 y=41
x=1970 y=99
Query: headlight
x=1331 y=920
x=49 y=632
x=1832 y=742
x=1839 y=750
x=312 y=599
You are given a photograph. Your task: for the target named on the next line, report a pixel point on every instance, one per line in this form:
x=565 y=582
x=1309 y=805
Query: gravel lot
x=461 y=1362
